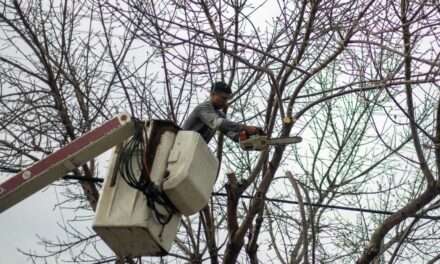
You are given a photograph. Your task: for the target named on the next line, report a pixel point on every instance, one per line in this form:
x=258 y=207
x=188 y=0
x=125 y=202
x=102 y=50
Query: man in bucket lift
x=209 y=116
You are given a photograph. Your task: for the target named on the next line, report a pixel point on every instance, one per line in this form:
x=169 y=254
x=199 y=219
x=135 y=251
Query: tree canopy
x=357 y=80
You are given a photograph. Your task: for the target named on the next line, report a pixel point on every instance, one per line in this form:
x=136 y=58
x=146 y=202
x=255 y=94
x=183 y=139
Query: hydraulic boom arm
x=57 y=164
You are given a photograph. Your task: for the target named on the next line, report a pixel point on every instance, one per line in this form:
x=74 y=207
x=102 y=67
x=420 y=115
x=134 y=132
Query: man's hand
x=253 y=130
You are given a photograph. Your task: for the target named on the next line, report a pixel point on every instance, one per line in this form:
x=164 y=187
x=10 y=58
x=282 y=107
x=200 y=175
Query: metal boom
x=57 y=164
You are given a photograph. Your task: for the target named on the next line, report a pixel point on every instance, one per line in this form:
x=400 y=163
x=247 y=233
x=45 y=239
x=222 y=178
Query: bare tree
x=357 y=80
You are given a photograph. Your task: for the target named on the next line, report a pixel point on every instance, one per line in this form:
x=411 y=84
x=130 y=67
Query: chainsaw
x=261 y=142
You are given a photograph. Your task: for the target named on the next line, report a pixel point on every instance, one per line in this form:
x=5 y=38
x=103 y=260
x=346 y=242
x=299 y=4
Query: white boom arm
x=57 y=164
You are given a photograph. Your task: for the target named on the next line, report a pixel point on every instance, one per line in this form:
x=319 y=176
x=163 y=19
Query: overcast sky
x=37 y=215
x=20 y=225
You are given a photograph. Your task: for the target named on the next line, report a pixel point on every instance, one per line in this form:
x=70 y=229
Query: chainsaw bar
x=284 y=140
x=261 y=142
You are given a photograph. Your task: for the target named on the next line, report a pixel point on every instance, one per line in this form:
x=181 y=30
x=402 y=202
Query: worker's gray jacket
x=206 y=119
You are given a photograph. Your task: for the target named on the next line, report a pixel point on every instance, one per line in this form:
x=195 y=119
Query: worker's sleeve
x=233 y=135
x=215 y=121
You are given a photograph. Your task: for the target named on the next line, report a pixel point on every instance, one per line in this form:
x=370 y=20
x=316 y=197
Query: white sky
x=20 y=225
x=37 y=216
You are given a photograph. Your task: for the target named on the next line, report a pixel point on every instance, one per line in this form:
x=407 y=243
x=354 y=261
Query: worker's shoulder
x=204 y=106
x=206 y=103
x=207 y=108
